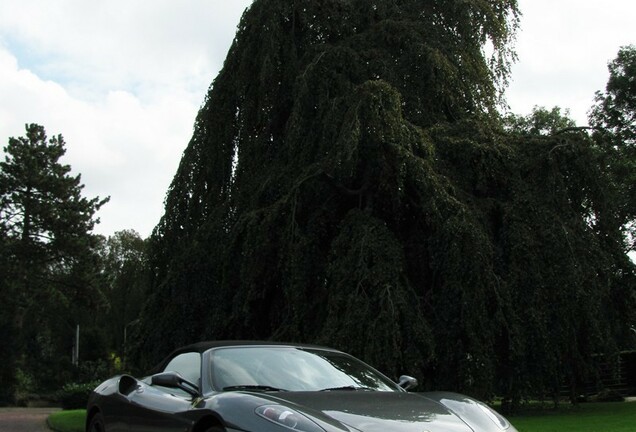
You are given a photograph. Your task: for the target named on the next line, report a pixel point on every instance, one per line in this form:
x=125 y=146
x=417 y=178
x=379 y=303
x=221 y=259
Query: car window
x=292 y=369
x=188 y=365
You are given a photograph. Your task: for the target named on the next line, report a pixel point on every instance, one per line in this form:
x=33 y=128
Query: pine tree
x=46 y=225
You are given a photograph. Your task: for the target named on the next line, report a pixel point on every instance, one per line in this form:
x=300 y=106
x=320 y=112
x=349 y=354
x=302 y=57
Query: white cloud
x=119 y=43
x=564 y=47
x=122 y=81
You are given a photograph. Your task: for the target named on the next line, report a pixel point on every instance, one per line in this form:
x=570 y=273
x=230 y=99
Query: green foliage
x=48 y=255
x=123 y=259
x=7 y=325
x=75 y=395
x=350 y=182
x=541 y=122
x=615 y=109
x=370 y=296
x=42 y=205
x=614 y=115
x=25 y=387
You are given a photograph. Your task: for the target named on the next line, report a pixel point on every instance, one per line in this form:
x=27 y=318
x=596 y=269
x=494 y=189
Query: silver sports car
x=272 y=387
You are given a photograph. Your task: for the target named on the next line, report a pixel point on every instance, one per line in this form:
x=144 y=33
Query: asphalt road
x=24 y=419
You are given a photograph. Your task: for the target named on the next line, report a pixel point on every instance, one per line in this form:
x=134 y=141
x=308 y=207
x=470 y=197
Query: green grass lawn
x=587 y=417
x=68 y=421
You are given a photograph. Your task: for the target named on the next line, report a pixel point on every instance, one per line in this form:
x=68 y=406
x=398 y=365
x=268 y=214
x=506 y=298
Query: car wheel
x=96 y=424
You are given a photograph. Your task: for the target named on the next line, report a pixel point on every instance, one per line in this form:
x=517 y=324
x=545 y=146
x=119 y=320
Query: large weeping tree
x=349 y=183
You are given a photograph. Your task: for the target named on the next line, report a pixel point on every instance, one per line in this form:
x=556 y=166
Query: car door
x=155 y=408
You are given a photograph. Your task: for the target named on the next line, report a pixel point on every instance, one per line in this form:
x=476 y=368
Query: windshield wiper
x=252 y=387
x=349 y=388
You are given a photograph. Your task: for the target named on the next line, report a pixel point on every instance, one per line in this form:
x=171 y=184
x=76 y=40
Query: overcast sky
x=123 y=80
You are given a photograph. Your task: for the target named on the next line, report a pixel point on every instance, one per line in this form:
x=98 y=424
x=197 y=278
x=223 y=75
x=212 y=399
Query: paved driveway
x=24 y=419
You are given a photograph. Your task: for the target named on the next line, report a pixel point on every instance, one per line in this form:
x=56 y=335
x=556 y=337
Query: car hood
x=376 y=411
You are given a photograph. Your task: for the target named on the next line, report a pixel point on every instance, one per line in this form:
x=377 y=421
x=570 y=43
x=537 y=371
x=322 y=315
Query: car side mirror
x=407 y=382
x=174 y=380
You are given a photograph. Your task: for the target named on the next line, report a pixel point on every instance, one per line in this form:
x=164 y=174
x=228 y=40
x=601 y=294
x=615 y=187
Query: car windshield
x=292 y=369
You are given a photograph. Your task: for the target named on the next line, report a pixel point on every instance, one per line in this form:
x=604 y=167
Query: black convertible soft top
x=201 y=347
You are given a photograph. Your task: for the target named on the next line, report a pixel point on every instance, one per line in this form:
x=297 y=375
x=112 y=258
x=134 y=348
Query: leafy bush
x=75 y=395
x=95 y=370
x=67 y=421
x=24 y=384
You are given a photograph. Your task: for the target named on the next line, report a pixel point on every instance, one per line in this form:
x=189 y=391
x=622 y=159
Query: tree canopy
x=614 y=117
x=123 y=260
x=350 y=182
x=47 y=251
x=615 y=108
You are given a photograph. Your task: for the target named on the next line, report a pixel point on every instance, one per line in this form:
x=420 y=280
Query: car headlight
x=478 y=415
x=288 y=418
x=496 y=418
